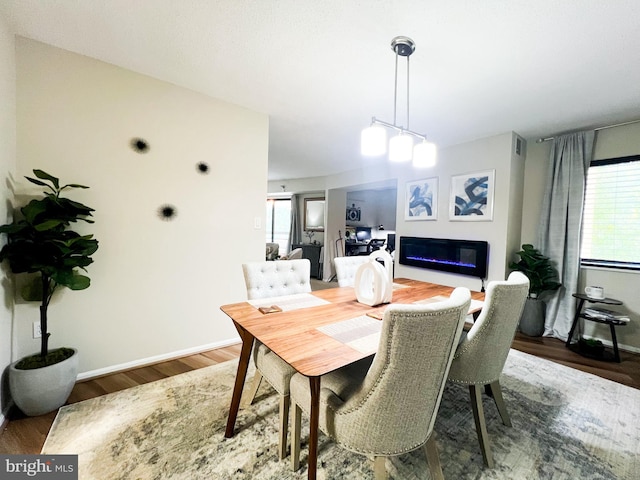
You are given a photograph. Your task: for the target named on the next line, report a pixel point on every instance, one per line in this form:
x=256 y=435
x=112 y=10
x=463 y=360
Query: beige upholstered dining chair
x=273 y=279
x=346 y=268
x=483 y=350
x=390 y=407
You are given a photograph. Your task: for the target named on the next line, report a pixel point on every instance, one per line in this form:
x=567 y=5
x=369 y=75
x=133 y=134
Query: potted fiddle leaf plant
x=543 y=277
x=41 y=243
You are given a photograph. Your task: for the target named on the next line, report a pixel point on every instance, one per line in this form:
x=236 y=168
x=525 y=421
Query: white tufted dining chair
x=346 y=268
x=274 y=279
x=390 y=408
x=482 y=353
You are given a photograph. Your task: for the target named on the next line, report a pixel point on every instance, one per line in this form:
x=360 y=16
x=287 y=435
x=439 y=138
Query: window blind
x=611 y=216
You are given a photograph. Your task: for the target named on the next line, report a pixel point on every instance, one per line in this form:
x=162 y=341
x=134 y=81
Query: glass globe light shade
x=424 y=155
x=373 y=141
x=400 y=148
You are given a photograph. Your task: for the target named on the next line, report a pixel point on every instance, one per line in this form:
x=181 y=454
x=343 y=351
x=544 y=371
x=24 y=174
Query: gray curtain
x=295 y=232
x=561 y=222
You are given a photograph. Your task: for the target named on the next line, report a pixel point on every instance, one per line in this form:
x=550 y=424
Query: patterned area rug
x=566 y=425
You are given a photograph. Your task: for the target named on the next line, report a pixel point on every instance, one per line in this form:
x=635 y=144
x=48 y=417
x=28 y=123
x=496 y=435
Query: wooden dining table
x=295 y=336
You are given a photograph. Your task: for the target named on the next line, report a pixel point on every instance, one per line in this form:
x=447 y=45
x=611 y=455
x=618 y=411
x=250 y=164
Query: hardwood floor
x=26 y=435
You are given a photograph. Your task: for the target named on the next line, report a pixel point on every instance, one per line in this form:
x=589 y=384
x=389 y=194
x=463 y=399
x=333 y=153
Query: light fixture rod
x=395 y=92
x=407 y=91
x=401 y=129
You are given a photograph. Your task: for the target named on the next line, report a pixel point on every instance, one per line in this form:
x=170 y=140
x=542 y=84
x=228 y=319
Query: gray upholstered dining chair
x=346 y=268
x=483 y=350
x=390 y=408
x=273 y=279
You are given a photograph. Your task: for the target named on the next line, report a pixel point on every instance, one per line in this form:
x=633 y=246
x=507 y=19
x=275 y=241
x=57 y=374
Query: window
x=611 y=217
x=278 y=223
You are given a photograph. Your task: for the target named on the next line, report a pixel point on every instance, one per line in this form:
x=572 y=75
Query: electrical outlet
x=37 y=333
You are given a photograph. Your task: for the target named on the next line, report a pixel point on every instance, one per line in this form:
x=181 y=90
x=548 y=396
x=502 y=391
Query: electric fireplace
x=466 y=257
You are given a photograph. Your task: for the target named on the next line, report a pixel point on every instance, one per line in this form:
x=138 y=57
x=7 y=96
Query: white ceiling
x=322 y=68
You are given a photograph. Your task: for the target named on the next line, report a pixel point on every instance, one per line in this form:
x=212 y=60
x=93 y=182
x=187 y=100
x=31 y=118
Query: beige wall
x=7 y=171
x=610 y=143
x=503 y=233
x=156 y=285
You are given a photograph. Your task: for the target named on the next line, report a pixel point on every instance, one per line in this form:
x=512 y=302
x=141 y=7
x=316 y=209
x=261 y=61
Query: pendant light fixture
x=401 y=147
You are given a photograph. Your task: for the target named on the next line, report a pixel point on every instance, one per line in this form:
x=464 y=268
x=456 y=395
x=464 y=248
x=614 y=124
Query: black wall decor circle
x=203 y=168
x=139 y=145
x=167 y=212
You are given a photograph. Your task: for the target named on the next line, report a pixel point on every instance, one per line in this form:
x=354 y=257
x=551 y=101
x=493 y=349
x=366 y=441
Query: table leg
x=314 y=384
x=575 y=322
x=243 y=364
x=614 y=340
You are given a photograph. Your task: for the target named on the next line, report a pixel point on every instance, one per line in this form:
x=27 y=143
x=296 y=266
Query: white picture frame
x=471 y=196
x=421 y=199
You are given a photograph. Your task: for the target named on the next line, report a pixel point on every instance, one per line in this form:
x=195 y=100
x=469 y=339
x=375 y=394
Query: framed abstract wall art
x=472 y=196
x=421 y=201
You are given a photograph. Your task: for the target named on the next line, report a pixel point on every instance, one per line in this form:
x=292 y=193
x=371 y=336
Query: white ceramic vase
x=42 y=390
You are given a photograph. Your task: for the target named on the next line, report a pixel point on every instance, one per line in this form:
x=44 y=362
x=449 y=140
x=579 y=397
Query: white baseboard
x=155 y=359
x=609 y=343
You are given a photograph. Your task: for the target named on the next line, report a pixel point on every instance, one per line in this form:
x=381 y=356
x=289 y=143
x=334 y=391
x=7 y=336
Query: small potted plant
x=41 y=243
x=543 y=277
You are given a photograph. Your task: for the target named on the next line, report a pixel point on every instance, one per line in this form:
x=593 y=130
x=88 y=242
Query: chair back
x=280 y=277
x=394 y=409
x=481 y=356
x=346 y=268
x=272 y=251
x=294 y=254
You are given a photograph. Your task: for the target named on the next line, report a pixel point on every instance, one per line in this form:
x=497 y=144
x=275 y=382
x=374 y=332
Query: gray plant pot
x=533 y=317
x=42 y=390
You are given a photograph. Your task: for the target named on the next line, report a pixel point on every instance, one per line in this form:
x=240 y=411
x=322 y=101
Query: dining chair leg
x=433 y=458
x=295 y=437
x=502 y=407
x=379 y=468
x=284 y=425
x=253 y=390
x=481 y=424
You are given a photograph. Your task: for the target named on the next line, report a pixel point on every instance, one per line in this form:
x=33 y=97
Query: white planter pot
x=42 y=390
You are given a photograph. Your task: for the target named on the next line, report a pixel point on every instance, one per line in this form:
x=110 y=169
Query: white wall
x=493 y=153
x=611 y=143
x=156 y=285
x=7 y=171
x=503 y=233
x=378 y=207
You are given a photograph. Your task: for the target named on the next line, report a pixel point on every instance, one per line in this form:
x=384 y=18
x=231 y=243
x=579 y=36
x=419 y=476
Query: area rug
x=566 y=425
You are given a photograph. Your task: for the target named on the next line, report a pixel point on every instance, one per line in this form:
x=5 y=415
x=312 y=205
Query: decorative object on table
x=606 y=314
x=472 y=196
x=310 y=234
x=42 y=243
x=401 y=148
x=543 y=277
x=373 y=282
x=597 y=293
x=421 y=200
